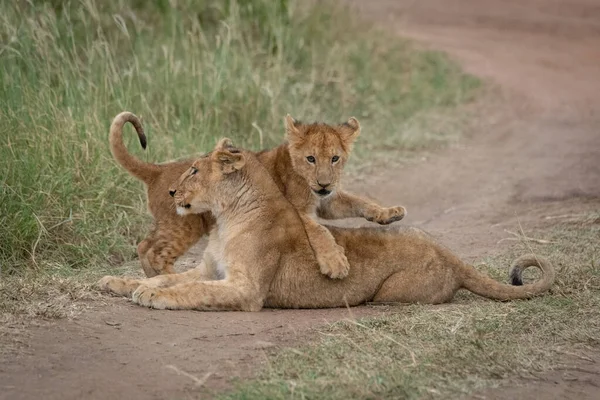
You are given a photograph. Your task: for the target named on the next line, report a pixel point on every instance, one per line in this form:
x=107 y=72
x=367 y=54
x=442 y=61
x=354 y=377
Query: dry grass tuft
x=44 y=296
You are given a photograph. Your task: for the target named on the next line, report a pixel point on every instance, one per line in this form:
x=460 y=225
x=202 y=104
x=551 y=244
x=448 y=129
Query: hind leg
x=169 y=241
x=426 y=287
x=142 y=250
x=157 y=254
x=168 y=247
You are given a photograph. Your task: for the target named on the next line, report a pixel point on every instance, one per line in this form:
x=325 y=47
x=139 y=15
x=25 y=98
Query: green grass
x=195 y=72
x=446 y=351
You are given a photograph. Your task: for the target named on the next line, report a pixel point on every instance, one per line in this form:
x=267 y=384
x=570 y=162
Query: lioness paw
x=385 y=216
x=113 y=284
x=104 y=283
x=150 y=297
x=334 y=263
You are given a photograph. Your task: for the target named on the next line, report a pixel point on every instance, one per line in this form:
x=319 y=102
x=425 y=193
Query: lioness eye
x=335 y=159
x=194 y=171
x=310 y=159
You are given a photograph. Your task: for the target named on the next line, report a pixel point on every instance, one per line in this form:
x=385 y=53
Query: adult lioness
x=261 y=250
x=306 y=170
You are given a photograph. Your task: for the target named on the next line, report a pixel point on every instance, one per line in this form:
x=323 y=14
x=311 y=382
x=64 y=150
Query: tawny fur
x=297 y=178
x=260 y=256
x=172 y=235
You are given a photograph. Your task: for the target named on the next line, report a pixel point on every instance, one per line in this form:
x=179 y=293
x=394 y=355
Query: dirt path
x=535 y=153
x=537 y=143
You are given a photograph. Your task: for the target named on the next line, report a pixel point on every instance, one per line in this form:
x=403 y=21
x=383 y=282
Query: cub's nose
x=323 y=185
x=172 y=192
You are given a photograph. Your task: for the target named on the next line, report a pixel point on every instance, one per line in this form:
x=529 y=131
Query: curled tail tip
x=127 y=116
x=516 y=278
x=531 y=260
x=124 y=116
x=143 y=140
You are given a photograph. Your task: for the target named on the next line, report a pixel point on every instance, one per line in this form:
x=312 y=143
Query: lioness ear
x=291 y=129
x=351 y=129
x=230 y=161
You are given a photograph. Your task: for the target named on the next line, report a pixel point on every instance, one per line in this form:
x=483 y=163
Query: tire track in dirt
x=534 y=153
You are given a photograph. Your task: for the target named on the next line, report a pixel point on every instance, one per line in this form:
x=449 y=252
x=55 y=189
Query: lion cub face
x=195 y=193
x=319 y=152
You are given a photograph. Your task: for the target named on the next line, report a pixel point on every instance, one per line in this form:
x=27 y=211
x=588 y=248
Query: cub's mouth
x=182 y=209
x=322 y=192
x=182 y=204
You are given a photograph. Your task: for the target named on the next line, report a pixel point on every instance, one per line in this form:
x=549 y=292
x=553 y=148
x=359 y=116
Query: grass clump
x=195 y=71
x=444 y=351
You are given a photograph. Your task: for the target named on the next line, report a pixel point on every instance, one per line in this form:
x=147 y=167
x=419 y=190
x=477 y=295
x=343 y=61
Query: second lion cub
x=306 y=169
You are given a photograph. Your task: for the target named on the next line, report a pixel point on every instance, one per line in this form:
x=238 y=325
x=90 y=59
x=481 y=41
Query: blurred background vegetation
x=195 y=71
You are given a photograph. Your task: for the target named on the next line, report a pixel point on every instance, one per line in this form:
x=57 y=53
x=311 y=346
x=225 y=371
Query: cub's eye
x=335 y=159
x=194 y=171
x=310 y=159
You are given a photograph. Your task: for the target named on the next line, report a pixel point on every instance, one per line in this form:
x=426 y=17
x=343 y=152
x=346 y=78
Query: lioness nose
x=324 y=185
x=172 y=192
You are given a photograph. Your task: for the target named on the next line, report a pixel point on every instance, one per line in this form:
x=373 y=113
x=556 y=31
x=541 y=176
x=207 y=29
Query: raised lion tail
x=142 y=170
x=483 y=285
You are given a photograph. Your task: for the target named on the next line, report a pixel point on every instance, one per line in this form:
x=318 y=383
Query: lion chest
x=215 y=252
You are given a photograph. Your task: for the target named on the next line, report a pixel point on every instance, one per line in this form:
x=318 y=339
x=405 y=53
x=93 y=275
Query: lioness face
x=208 y=181
x=320 y=151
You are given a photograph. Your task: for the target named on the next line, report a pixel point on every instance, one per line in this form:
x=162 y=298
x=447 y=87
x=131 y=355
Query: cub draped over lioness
x=387 y=264
x=306 y=170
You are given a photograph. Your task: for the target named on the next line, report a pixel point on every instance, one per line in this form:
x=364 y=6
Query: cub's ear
x=230 y=160
x=228 y=157
x=350 y=129
x=292 y=131
x=223 y=143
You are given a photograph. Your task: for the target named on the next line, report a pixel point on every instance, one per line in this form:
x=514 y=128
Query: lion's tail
x=142 y=170
x=485 y=286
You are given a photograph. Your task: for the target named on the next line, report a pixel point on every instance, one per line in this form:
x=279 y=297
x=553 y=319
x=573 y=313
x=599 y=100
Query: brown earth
x=534 y=152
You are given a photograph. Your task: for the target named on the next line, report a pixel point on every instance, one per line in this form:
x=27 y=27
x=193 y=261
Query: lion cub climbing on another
x=306 y=170
x=387 y=264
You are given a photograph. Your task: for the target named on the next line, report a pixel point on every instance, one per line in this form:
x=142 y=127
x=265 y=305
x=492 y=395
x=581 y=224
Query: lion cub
x=391 y=264
x=307 y=170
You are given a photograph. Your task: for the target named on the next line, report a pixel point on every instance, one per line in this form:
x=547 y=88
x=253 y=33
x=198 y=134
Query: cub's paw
x=104 y=284
x=385 y=216
x=334 y=263
x=119 y=286
x=150 y=297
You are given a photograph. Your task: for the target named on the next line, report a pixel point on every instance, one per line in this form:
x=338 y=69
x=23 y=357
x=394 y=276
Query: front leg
x=346 y=205
x=223 y=295
x=330 y=256
x=126 y=286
